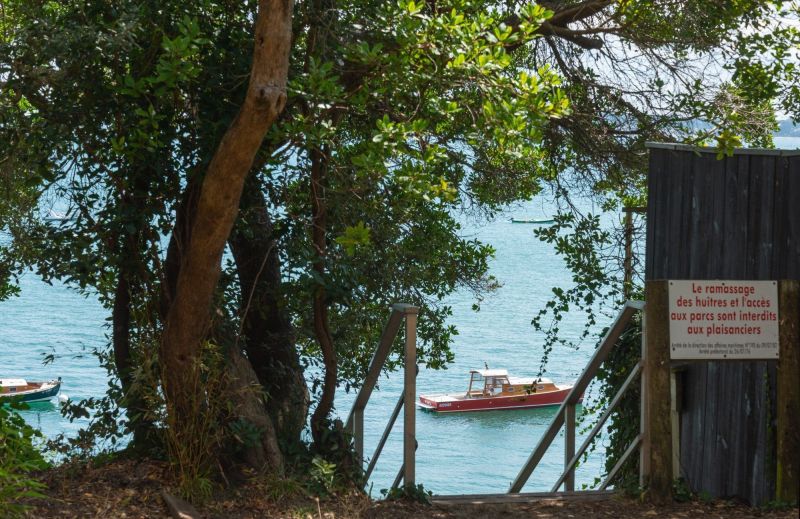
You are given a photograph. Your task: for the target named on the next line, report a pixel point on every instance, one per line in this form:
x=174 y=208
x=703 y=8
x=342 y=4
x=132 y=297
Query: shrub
x=18 y=458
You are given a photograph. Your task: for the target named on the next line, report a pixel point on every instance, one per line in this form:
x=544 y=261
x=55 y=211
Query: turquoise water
x=483 y=451
x=458 y=453
x=55 y=320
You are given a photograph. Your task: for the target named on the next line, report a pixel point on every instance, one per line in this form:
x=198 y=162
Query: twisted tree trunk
x=188 y=319
x=319 y=209
x=266 y=328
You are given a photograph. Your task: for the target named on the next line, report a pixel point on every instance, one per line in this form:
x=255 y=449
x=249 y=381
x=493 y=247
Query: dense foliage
x=401 y=117
x=19 y=456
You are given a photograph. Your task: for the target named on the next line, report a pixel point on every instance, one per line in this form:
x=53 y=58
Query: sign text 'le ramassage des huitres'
x=719 y=319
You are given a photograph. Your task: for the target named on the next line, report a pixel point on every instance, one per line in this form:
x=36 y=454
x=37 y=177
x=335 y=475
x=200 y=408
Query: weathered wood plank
x=691 y=424
x=698 y=219
x=755 y=175
x=657 y=441
x=739 y=466
x=745 y=209
x=736 y=244
x=788 y=413
x=678 y=213
x=725 y=428
x=528 y=497
x=765 y=207
x=759 y=485
x=791 y=242
x=410 y=397
x=655 y=251
x=717 y=209
x=710 y=462
x=781 y=213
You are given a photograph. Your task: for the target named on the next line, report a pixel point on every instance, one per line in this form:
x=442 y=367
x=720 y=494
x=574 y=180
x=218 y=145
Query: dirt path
x=131 y=489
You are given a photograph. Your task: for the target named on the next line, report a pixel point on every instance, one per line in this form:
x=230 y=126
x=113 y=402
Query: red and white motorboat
x=493 y=389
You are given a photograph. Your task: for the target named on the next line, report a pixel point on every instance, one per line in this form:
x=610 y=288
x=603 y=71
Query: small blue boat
x=25 y=391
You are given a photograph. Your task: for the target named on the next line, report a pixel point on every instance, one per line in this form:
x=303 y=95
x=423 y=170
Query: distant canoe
x=521 y=220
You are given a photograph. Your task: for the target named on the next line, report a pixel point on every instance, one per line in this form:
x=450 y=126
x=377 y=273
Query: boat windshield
x=486 y=384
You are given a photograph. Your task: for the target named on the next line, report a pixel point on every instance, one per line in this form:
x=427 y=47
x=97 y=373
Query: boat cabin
x=496 y=382
x=14 y=385
x=486 y=382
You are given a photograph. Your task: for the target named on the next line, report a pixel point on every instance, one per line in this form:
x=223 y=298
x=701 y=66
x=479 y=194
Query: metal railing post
x=569 y=446
x=410 y=392
x=358 y=433
x=644 y=444
x=575 y=394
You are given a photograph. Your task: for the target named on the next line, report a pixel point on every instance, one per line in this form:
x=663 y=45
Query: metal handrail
x=355 y=420
x=566 y=412
x=571 y=464
x=374 y=459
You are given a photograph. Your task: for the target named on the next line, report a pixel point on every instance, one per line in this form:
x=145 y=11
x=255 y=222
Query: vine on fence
x=591 y=254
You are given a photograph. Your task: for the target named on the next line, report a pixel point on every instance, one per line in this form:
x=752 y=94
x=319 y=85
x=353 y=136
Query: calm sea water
x=462 y=453
x=483 y=452
x=458 y=453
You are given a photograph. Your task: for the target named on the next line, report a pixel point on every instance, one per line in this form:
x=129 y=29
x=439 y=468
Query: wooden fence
x=736 y=218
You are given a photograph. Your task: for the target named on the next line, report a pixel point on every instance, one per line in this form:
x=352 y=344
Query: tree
x=188 y=320
x=399 y=117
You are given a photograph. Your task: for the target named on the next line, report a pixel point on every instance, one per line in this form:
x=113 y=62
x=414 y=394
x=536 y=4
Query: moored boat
x=524 y=220
x=27 y=391
x=493 y=389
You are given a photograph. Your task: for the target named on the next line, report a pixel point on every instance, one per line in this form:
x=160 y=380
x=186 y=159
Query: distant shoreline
x=787 y=129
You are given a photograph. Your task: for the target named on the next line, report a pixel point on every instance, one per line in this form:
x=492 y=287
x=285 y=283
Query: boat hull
x=455 y=404
x=520 y=220
x=32 y=395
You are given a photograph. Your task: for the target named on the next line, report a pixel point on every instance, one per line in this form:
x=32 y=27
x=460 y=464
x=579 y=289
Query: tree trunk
x=320 y=304
x=248 y=401
x=188 y=319
x=121 y=330
x=123 y=361
x=267 y=330
x=129 y=282
x=181 y=233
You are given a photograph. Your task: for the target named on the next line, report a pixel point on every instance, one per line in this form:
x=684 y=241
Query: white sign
x=718 y=319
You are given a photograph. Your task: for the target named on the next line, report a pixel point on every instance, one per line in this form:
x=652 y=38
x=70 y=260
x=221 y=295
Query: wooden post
x=628 y=282
x=656 y=426
x=410 y=397
x=788 y=423
x=569 y=446
x=675 y=422
x=358 y=434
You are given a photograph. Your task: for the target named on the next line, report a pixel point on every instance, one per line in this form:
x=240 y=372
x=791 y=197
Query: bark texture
x=266 y=328
x=188 y=318
x=320 y=303
x=248 y=400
